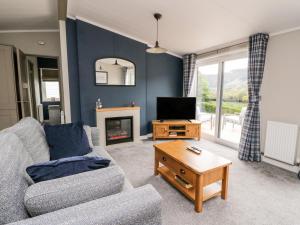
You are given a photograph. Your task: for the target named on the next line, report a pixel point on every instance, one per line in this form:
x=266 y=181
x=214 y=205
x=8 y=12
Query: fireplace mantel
x=117 y=109
x=104 y=113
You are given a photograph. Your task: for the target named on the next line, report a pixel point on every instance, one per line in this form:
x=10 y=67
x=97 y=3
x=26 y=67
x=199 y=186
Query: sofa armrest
x=52 y=195
x=95 y=136
x=140 y=206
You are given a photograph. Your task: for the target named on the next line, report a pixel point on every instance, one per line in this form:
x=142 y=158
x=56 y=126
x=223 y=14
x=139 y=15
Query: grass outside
x=227 y=107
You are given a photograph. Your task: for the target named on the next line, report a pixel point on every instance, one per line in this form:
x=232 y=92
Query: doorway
x=44 y=81
x=222 y=97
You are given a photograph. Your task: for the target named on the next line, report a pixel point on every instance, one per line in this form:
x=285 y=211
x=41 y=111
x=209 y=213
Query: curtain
x=189 y=63
x=249 y=148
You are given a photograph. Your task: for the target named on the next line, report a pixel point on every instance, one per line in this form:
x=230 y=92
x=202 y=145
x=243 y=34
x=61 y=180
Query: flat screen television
x=172 y=108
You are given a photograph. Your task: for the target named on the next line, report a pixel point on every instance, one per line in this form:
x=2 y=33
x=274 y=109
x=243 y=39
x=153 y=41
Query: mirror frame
x=116 y=85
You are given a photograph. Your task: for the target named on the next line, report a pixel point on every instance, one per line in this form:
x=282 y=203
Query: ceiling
x=186 y=26
x=191 y=25
x=28 y=14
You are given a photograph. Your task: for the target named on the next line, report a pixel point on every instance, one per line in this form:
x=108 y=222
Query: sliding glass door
x=234 y=99
x=207 y=88
x=222 y=97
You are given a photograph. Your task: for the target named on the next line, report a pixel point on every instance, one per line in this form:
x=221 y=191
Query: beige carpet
x=258 y=193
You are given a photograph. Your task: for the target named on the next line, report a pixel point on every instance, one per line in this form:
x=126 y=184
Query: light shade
x=156 y=49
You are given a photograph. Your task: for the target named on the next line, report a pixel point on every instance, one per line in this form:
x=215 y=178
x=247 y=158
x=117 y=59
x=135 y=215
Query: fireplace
x=119 y=130
x=117 y=113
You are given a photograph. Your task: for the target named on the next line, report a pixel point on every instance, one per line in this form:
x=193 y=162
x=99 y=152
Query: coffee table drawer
x=177 y=168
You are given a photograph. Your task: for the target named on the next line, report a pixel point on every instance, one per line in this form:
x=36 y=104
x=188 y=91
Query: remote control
x=197 y=151
x=196 y=148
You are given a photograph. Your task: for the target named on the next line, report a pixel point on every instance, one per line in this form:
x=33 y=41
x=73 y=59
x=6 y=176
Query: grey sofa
x=98 y=197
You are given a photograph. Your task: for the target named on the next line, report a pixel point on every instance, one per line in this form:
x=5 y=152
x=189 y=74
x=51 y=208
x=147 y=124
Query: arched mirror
x=115 y=71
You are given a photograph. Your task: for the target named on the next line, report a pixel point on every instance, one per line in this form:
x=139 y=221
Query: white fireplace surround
x=103 y=113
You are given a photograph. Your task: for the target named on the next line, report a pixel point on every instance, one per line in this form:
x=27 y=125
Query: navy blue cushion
x=67 y=140
x=65 y=167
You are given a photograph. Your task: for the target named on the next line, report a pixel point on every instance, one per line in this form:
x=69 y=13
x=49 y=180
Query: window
x=234 y=99
x=222 y=96
x=52 y=89
x=50 y=85
x=207 y=96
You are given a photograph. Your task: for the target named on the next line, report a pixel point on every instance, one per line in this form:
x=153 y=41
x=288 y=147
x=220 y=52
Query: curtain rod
x=220 y=49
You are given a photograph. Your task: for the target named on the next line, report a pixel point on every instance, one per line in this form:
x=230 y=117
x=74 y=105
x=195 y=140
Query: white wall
x=28 y=42
x=281 y=84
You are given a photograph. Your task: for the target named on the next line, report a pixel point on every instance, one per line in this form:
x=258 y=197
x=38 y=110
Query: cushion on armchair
x=52 y=195
x=67 y=140
x=65 y=167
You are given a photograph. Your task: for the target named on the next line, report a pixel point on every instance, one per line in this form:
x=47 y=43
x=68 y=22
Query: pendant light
x=116 y=63
x=156 y=49
x=114 y=50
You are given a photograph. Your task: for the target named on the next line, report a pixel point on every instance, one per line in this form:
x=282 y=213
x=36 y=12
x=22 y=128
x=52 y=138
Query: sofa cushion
x=141 y=206
x=14 y=160
x=65 y=167
x=32 y=135
x=68 y=191
x=100 y=151
x=67 y=140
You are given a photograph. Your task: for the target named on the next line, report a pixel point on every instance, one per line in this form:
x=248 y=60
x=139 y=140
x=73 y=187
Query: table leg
x=225 y=183
x=199 y=193
x=156 y=164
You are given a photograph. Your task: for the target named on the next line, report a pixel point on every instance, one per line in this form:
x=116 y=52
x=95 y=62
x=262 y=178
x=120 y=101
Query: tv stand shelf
x=172 y=129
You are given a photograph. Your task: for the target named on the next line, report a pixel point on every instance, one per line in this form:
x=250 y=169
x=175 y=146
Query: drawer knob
x=164 y=158
x=182 y=171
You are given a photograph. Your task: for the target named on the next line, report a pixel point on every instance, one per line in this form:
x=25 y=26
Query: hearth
x=119 y=130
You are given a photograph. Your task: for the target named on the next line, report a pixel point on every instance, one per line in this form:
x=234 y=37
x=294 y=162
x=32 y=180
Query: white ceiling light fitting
x=156 y=49
x=41 y=42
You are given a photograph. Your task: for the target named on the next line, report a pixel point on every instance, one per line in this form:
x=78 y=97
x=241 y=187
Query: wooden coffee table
x=196 y=176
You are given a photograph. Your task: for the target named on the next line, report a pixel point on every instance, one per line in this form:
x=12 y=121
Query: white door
x=8 y=106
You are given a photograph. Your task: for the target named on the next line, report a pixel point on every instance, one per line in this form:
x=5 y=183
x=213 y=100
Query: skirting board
x=145 y=137
x=294 y=169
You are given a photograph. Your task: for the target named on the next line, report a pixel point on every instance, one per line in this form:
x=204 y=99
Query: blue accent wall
x=164 y=79
x=156 y=75
x=73 y=70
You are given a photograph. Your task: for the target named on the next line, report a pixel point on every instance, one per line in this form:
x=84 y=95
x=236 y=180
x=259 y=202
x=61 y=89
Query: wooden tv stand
x=172 y=129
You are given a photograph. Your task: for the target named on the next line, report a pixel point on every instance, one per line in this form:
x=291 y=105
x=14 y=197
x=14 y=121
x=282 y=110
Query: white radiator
x=281 y=141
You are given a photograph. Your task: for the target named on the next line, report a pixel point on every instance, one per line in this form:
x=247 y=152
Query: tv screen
x=170 y=108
